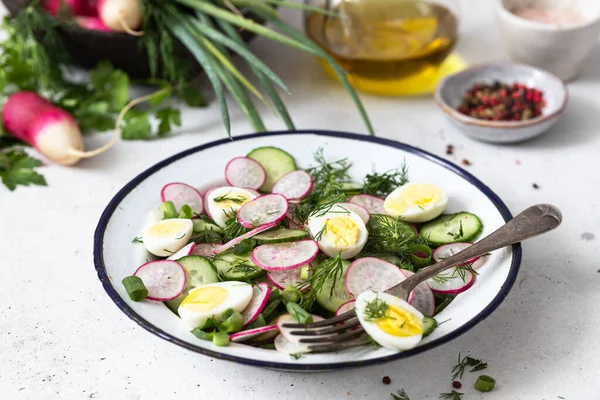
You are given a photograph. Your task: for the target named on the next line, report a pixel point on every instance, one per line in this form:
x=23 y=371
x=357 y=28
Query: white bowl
x=115 y=257
x=560 y=49
x=451 y=90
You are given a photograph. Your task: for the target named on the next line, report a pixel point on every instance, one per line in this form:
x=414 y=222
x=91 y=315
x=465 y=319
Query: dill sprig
x=459 y=369
x=207 y=236
x=233 y=228
x=453 y=395
x=137 y=239
x=331 y=269
x=458 y=272
x=459 y=234
x=377 y=184
x=238 y=199
x=400 y=395
x=376 y=309
x=388 y=235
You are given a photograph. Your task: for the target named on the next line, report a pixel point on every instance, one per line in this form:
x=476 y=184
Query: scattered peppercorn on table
x=63 y=338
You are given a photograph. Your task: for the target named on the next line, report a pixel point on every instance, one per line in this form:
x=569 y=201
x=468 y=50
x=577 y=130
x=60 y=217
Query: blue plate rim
x=124 y=307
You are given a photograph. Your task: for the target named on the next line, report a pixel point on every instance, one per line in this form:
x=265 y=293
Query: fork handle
x=534 y=221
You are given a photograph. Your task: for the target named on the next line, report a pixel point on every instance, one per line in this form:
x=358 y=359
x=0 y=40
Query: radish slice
x=186 y=250
x=294 y=185
x=263 y=210
x=374 y=274
x=287 y=318
x=285 y=346
x=252 y=333
x=452 y=281
x=373 y=204
x=247 y=235
x=181 y=194
x=283 y=279
x=362 y=212
x=284 y=256
x=245 y=172
x=205 y=249
x=423 y=300
x=260 y=297
x=164 y=279
x=347 y=306
x=451 y=249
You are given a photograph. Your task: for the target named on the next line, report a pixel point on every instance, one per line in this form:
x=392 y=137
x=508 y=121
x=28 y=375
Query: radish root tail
x=127 y=28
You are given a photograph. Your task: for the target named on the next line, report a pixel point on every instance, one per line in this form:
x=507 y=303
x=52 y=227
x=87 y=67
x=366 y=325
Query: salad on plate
x=278 y=244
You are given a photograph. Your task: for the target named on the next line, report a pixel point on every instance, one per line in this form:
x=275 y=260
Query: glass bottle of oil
x=389 y=47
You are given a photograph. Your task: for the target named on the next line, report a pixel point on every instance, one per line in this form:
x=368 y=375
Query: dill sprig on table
x=453 y=395
x=459 y=369
x=400 y=395
x=381 y=185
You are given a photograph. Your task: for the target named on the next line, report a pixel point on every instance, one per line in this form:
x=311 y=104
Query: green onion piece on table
x=485 y=383
x=135 y=288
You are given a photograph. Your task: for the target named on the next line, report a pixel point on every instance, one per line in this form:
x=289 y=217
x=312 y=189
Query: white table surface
x=61 y=337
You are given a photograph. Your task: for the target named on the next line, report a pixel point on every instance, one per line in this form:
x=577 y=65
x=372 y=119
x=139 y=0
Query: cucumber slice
x=198 y=271
x=276 y=163
x=331 y=301
x=202 y=225
x=351 y=188
x=280 y=235
x=235 y=268
x=429 y=325
x=452 y=228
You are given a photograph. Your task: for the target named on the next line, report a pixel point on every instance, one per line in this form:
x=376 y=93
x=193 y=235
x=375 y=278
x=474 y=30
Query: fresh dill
x=180 y=237
x=400 y=395
x=329 y=270
x=238 y=199
x=168 y=251
x=320 y=234
x=383 y=184
x=376 y=309
x=463 y=362
x=453 y=395
x=389 y=235
x=458 y=272
x=137 y=239
x=233 y=228
x=459 y=234
x=207 y=236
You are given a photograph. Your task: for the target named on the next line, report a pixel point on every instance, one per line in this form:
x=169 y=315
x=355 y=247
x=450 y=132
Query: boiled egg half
x=397 y=326
x=339 y=231
x=416 y=202
x=166 y=237
x=210 y=301
x=222 y=203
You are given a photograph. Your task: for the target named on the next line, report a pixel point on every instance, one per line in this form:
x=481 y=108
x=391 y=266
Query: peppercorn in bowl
x=502 y=103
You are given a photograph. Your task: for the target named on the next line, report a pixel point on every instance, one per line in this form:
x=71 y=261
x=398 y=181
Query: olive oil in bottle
x=389 y=47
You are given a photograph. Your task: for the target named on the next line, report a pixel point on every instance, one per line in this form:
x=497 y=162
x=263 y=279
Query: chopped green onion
x=485 y=383
x=244 y=247
x=258 y=322
x=275 y=294
x=135 y=288
x=291 y=294
x=304 y=271
x=202 y=335
x=299 y=313
x=186 y=212
x=210 y=323
x=220 y=339
x=420 y=255
x=168 y=209
x=232 y=321
x=271 y=307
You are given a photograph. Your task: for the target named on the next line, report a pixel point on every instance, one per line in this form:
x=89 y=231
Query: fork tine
x=330 y=321
x=334 y=338
x=326 y=348
x=325 y=331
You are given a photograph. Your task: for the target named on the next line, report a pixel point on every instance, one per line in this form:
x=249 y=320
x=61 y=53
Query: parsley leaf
x=17 y=168
x=167 y=117
x=137 y=125
x=192 y=96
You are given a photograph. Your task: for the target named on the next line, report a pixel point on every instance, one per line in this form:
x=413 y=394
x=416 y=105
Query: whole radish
x=92 y=23
x=121 y=15
x=77 y=7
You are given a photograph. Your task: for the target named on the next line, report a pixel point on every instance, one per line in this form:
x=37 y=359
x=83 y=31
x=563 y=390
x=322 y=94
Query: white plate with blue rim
x=115 y=257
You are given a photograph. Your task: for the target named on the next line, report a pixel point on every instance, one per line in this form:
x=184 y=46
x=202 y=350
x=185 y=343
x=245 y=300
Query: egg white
x=239 y=295
x=219 y=214
x=415 y=213
x=381 y=337
x=316 y=224
x=167 y=245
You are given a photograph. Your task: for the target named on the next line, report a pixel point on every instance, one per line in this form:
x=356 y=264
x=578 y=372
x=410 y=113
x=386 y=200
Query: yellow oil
x=389 y=47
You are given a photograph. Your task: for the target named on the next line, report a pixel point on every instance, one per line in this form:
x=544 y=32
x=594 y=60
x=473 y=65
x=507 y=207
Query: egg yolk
x=205 y=298
x=231 y=200
x=342 y=231
x=400 y=322
x=421 y=195
x=166 y=228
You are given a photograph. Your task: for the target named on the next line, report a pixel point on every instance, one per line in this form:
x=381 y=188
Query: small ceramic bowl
x=451 y=90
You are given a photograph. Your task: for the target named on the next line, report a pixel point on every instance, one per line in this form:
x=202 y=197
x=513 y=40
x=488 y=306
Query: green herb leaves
x=381 y=185
x=17 y=168
x=468 y=361
x=400 y=395
x=375 y=310
x=453 y=395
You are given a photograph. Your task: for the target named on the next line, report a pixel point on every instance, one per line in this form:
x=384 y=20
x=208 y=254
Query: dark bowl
x=87 y=47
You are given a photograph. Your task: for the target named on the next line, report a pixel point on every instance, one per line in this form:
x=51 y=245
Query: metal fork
x=331 y=335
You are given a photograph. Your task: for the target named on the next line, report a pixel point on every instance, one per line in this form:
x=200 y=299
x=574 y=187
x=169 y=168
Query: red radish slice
x=260 y=297
x=362 y=212
x=252 y=333
x=347 y=306
x=205 y=249
x=373 y=204
x=294 y=185
x=283 y=279
x=247 y=235
x=452 y=281
x=284 y=256
x=245 y=172
x=263 y=210
x=285 y=346
x=286 y=319
x=448 y=250
x=423 y=300
x=181 y=194
x=164 y=279
x=374 y=274
x=186 y=250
